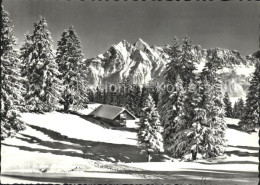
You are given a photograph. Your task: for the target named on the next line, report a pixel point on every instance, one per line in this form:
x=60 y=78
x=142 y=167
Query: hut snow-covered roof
x=109 y=111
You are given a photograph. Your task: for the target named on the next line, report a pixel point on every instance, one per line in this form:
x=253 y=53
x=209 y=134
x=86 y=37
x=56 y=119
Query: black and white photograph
x=130 y=92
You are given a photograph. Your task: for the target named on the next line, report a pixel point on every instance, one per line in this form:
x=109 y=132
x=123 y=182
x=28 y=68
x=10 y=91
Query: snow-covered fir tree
x=214 y=126
x=238 y=109
x=11 y=81
x=162 y=108
x=228 y=106
x=149 y=136
x=182 y=62
x=198 y=126
x=173 y=67
x=69 y=58
x=144 y=95
x=121 y=94
x=131 y=98
x=235 y=110
x=212 y=102
x=40 y=70
x=104 y=94
x=91 y=95
x=130 y=103
x=154 y=93
x=98 y=96
x=187 y=63
x=186 y=128
x=192 y=115
x=138 y=93
x=172 y=114
x=251 y=117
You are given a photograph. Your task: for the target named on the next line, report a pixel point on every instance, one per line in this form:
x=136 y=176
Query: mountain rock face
x=141 y=63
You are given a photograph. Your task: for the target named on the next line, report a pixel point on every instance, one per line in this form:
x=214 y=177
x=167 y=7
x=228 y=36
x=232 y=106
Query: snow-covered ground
x=78 y=128
x=241 y=155
x=73 y=147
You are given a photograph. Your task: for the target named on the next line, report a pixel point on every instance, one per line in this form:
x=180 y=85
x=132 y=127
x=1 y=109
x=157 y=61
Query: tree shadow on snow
x=235 y=127
x=200 y=176
x=83 y=148
x=241 y=153
x=64 y=179
x=228 y=162
x=245 y=147
x=238 y=128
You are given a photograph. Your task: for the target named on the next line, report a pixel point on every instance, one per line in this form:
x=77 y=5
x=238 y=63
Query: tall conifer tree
x=251 y=117
x=228 y=106
x=40 y=69
x=11 y=81
x=172 y=115
x=149 y=136
x=70 y=62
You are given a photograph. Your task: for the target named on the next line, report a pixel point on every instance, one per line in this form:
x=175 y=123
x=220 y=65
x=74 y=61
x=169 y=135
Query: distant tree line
x=124 y=94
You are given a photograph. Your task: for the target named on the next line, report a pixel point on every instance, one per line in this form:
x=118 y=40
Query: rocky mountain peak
x=141 y=45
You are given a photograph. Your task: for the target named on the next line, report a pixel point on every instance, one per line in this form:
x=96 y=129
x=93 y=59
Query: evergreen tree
x=214 y=125
x=137 y=99
x=200 y=127
x=108 y=96
x=192 y=115
x=149 y=136
x=69 y=58
x=251 y=119
x=121 y=94
x=182 y=63
x=91 y=95
x=98 y=96
x=187 y=63
x=11 y=81
x=187 y=123
x=172 y=114
x=104 y=96
x=162 y=108
x=213 y=64
x=154 y=93
x=228 y=106
x=235 y=110
x=174 y=66
x=240 y=108
x=144 y=95
x=130 y=96
x=40 y=69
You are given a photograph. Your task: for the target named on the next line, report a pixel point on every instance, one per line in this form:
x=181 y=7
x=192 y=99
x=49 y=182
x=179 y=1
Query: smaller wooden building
x=114 y=115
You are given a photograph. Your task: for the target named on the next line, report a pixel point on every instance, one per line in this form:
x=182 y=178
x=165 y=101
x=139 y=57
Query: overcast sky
x=99 y=24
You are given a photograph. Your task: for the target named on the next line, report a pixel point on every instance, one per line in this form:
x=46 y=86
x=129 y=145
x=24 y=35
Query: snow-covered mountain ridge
x=142 y=63
x=139 y=62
